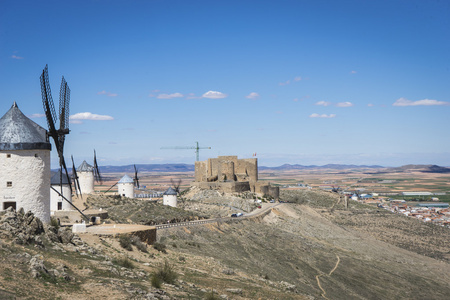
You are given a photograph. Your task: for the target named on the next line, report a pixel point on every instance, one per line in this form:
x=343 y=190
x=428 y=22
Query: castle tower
x=170 y=197
x=24 y=165
x=85 y=174
x=56 y=201
x=125 y=187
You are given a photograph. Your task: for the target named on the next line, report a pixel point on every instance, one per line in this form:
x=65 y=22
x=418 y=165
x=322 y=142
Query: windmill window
x=59 y=205
x=8 y=204
x=35 y=155
x=9 y=184
x=8 y=155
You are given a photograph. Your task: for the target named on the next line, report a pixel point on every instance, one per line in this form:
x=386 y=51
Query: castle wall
x=28 y=172
x=230 y=174
x=227 y=187
x=201 y=171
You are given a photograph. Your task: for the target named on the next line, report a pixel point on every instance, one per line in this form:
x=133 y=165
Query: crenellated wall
x=230 y=174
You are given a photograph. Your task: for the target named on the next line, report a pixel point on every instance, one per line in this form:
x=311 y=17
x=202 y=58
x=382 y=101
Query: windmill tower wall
x=24 y=165
x=85 y=174
x=25 y=180
x=170 y=200
x=57 y=202
x=170 y=197
x=126 y=189
x=86 y=180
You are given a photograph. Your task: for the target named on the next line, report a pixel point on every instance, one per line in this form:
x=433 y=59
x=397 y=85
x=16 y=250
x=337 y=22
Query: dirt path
x=329 y=274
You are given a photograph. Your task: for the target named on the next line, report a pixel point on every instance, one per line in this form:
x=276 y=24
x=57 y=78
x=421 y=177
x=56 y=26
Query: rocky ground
x=311 y=248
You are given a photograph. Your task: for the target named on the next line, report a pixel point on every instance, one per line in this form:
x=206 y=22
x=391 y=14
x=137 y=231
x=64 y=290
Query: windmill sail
x=136 y=179
x=75 y=179
x=176 y=186
x=97 y=175
x=58 y=136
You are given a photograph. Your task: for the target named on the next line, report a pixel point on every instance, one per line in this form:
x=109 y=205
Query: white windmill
x=24 y=165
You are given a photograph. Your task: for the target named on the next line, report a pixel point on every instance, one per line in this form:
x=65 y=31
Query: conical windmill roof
x=126 y=179
x=18 y=132
x=56 y=178
x=85 y=167
x=170 y=191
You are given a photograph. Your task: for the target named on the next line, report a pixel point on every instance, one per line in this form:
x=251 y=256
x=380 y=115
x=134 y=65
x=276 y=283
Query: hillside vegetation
x=312 y=248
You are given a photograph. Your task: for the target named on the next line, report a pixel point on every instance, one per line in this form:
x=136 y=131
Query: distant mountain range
x=148 y=168
x=285 y=167
x=329 y=166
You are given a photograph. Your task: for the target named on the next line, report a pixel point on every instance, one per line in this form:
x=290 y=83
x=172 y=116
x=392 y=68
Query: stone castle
x=230 y=174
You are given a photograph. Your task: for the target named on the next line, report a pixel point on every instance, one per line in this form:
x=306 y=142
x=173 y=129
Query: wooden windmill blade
x=47 y=100
x=97 y=174
x=76 y=183
x=136 y=179
x=64 y=100
x=58 y=136
x=176 y=186
x=111 y=187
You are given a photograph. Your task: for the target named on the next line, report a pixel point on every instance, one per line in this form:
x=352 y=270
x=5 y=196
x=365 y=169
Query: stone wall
x=227 y=187
x=230 y=174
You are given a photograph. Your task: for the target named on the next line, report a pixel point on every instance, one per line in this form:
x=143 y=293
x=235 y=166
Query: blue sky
x=300 y=82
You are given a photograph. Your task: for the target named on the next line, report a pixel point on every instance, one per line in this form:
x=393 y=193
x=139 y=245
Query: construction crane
x=197 y=149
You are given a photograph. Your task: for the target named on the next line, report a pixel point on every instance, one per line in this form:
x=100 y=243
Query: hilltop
x=310 y=248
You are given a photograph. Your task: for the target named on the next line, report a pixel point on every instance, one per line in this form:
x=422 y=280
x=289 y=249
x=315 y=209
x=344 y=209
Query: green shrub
x=211 y=296
x=125 y=242
x=124 y=262
x=166 y=272
x=54 y=222
x=156 y=281
x=160 y=247
x=135 y=240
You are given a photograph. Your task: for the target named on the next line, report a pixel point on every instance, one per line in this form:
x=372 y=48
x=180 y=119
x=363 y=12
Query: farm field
x=367 y=180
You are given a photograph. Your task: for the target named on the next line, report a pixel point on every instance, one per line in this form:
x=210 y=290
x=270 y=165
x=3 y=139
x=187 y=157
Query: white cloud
x=323 y=103
x=77 y=118
x=425 y=102
x=107 y=94
x=169 y=96
x=214 y=95
x=285 y=83
x=370 y=105
x=252 y=95
x=322 y=116
x=353 y=72
x=344 y=104
x=296 y=78
x=16 y=57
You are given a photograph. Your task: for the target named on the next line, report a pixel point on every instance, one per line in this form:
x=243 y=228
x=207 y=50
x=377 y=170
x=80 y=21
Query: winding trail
x=329 y=274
